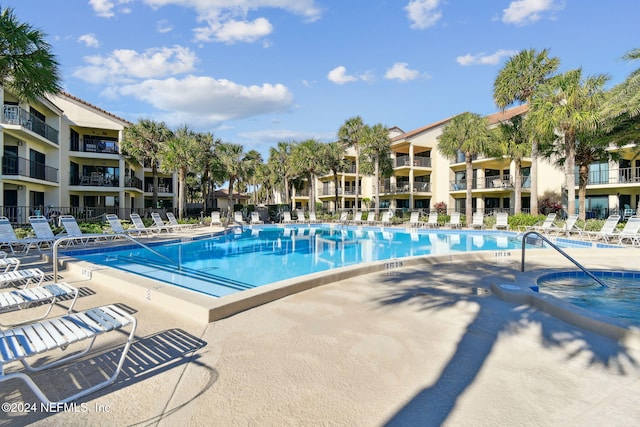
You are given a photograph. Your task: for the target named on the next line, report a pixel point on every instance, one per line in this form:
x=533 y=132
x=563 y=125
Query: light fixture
x=20 y=143
x=20 y=187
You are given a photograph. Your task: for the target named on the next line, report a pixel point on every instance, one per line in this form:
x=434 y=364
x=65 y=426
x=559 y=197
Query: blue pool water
x=230 y=263
x=620 y=299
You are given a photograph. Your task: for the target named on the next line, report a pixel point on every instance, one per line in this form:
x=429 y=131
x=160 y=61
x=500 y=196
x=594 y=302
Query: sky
x=256 y=72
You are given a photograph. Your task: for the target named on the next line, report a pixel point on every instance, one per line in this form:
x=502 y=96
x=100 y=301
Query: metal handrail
x=557 y=248
x=65 y=239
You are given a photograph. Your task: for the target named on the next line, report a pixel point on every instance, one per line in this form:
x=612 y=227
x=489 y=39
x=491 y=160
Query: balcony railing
x=417 y=161
x=95 y=146
x=329 y=191
x=133 y=182
x=614 y=176
x=499 y=182
x=14 y=115
x=95 y=180
x=12 y=165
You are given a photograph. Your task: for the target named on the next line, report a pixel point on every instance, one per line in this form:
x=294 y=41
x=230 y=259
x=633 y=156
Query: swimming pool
x=620 y=299
x=233 y=262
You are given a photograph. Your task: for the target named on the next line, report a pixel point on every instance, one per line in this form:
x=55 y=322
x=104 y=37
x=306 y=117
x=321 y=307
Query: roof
x=418 y=131
x=504 y=115
x=80 y=101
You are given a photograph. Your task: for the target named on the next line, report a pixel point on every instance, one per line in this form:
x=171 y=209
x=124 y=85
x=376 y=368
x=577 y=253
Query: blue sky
x=255 y=72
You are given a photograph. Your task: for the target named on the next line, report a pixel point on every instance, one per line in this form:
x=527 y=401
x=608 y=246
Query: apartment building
x=62 y=155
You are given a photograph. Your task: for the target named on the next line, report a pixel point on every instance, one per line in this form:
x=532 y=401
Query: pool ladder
x=557 y=248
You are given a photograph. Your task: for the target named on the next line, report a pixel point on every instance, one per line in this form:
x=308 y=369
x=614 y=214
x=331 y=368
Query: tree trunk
x=582 y=190
x=534 y=177
x=569 y=169
x=517 y=185
x=335 y=185
x=154 y=179
x=312 y=194
x=357 y=187
x=468 y=206
x=182 y=177
x=377 y=177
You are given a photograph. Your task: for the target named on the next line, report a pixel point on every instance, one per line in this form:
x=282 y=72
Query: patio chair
x=45 y=294
x=136 y=220
x=546 y=226
x=414 y=220
x=477 y=222
x=21 y=277
x=385 y=219
x=607 y=230
x=301 y=219
x=371 y=218
x=454 y=221
x=27 y=341
x=344 y=217
x=158 y=223
x=116 y=226
x=432 y=221
x=237 y=218
x=10 y=241
x=357 y=218
x=629 y=233
x=9 y=263
x=255 y=218
x=570 y=227
x=313 y=219
x=502 y=221
x=173 y=221
x=215 y=218
x=72 y=229
x=286 y=218
x=44 y=234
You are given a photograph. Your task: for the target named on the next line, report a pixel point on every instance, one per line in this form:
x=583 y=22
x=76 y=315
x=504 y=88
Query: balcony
x=329 y=191
x=14 y=115
x=614 y=176
x=95 y=146
x=498 y=182
x=94 y=180
x=12 y=165
x=403 y=161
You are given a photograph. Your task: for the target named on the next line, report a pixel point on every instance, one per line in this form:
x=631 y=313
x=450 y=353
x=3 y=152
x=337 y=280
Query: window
x=37 y=164
x=599 y=173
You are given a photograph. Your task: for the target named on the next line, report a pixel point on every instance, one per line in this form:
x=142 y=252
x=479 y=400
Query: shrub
x=524 y=220
x=441 y=208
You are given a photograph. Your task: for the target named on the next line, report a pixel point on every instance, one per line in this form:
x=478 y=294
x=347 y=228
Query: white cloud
x=401 y=71
x=124 y=65
x=339 y=76
x=234 y=31
x=482 y=59
x=226 y=20
x=423 y=13
x=163 y=26
x=105 y=8
x=522 y=12
x=89 y=40
x=200 y=99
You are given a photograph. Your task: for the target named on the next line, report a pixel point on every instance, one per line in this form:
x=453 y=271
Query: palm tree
x=279 y=162
x=350 y=134
x=306 y=158
x=229 y=157
x=250 y=163
x=377 y=148
x=469 y=133
x=334 y=161
x=516 y=82
x=28 y=68
x=182 y=153
x=625 y=97
x=143 y=142
x=513 y=140
x=561 y=109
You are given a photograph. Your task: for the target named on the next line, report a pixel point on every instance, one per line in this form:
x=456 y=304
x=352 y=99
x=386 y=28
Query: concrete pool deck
x=426 y=344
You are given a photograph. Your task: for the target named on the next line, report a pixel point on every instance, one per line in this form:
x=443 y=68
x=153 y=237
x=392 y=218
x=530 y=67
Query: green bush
x=524 y=220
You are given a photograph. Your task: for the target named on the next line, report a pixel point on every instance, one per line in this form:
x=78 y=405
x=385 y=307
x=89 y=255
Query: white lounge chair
x=357 y=218
x=9 y=263
x=432 y=221
x=136 y=220
x=547 y=226
x=477 y=221
x=454 y=221
x=607 y=230
x=255 y=218
x=158 y=224
x=116 y=226
x=344 y=217
x=286 y=218
x=22 y=298
x=44 y=233
x=215 y=218
x=173 y=222
x=385 y=219
x=22 y=277
x=300 y=217
x=313 y=219
x=237 y=218
x=72 y=229
x=629 y=232
x=570 y=226
x=22 y=343
x=502 y=221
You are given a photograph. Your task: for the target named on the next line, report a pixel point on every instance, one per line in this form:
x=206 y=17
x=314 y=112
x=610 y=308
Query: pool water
x=619 y=299
x=257 y=256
